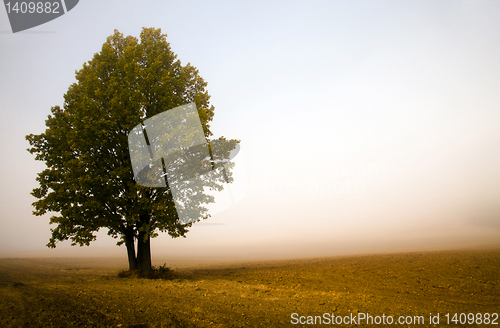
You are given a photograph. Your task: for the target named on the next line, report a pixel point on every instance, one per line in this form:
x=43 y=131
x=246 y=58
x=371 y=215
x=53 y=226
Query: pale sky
x=365 y=126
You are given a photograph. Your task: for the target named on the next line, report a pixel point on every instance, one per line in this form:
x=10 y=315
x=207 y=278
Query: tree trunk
x=143 y=252
x=132 y=260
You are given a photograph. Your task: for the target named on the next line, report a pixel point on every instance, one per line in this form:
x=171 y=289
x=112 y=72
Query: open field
x=88 y=292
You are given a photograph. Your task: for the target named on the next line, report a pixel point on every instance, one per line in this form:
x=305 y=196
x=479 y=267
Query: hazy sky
x=365 y=126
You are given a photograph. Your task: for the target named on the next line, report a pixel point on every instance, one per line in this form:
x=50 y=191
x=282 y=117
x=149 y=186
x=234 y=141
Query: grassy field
x=89 y=293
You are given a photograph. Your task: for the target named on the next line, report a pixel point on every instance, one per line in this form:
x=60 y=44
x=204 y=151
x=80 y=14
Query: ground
x=72 y=293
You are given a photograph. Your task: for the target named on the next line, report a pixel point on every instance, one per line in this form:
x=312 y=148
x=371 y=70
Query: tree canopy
x=89 y=180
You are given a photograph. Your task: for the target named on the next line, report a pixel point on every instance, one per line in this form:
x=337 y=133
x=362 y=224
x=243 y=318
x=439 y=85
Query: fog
x=364 y=127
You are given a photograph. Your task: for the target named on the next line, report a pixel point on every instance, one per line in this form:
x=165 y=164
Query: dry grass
x=34 y=294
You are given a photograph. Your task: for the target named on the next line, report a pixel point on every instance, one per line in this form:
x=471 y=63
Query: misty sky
x=365 y=126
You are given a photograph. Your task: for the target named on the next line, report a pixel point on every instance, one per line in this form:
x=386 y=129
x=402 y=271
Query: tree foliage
x=88 y=181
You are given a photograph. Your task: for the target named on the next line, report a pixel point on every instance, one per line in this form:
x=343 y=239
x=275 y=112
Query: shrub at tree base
x=156 y=272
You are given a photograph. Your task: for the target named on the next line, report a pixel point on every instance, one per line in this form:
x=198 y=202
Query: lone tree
x=89 y=180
